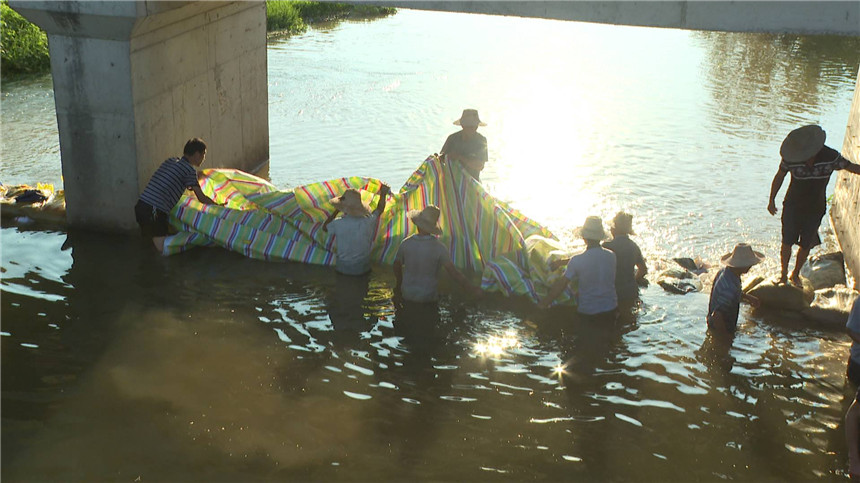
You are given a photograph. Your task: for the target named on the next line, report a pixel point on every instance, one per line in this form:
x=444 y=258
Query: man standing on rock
x=810 y=163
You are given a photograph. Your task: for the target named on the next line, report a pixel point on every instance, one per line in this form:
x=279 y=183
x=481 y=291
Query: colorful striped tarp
x=484 y=235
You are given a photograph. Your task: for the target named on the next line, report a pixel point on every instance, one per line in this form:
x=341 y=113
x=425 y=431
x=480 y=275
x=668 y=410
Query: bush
x=23 y=46
x=284 y=16
x=293 y=16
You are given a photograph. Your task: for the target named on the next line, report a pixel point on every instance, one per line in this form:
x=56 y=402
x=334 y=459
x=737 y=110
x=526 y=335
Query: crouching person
x=164 y=189
x=726 y=294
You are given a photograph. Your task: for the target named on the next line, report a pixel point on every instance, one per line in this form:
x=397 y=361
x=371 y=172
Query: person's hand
x=384 y=189
x=771 y=207
x=555 y=264
x=543 y=304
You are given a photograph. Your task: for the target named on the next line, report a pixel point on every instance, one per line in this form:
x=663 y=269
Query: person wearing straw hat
x=467 y=146
x=354 y=232
x=726 y=293
x=810 y=163
x=594 y=269
x=419 y=258
x=630 y=267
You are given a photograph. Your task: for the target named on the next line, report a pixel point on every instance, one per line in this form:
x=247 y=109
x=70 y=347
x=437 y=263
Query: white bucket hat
x=469 y=118
x=427 y=219
x=742 y=256
x=592 y=229
x=350 y=203
x=802 y=144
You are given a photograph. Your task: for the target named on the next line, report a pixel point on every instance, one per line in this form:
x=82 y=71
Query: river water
x=118 y=364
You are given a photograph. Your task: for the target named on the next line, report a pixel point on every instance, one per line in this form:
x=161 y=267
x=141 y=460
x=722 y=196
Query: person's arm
x=852 y=438
x=751 y=299
x=717 y=320
x=553 y=266
x=641 y=267
x=775 y=185
x=460 y=278
x=383 y=198
x=853 y=168
x=202 y=196
x=556 y=290
x=330 y=218
x=855 y=336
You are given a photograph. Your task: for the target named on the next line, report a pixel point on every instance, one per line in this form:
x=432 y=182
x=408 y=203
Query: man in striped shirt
x=810 y=163
x=726 y=294
x=164 y=189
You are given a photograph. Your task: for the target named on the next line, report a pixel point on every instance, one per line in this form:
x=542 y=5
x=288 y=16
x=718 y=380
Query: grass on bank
x=293 y=16
x=23 y=46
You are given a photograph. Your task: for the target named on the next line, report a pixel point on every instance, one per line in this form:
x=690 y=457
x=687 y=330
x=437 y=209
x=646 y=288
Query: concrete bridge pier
x=133 y=80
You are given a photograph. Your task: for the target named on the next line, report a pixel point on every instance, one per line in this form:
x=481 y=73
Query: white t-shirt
x=421 y=256
x=595 y=270
x=854 y=326
x=353 y=240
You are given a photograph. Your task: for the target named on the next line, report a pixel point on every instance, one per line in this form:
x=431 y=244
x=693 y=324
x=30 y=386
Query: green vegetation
x=24 y=46
x=293 y=16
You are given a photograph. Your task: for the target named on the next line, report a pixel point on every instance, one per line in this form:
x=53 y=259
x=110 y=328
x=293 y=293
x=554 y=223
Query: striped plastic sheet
x=484 y=235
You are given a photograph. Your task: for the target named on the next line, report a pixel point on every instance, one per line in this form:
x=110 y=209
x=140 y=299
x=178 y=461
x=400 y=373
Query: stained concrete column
x=133 y=80
x=845 y=210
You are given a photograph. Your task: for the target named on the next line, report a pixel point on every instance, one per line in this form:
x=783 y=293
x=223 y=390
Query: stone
x=784 y=296
x=679 y=281
x=825 y=271
x=839 y=299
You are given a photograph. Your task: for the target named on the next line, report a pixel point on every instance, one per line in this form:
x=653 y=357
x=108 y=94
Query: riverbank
x=25 y=45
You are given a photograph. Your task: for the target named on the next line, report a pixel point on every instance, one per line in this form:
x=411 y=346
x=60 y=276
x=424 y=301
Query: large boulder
x=784 y=296
x=825 y=271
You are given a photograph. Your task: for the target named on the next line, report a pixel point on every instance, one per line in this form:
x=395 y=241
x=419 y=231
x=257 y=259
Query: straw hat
x=623 y=223
x=469 y=118
x=802 y=144
x=350 y=203
x=592 y=229
x=742 y=256
x=427 y=219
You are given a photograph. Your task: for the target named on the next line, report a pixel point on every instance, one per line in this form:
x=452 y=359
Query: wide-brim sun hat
x=427 y=219
x=742 y=256
x=592 y=229
x=802 y=144
x=623 y=223
x=469 y=118
x=350 y=203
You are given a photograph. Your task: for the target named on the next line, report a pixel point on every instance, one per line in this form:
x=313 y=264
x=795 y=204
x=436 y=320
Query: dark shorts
x=152 y=222
x=800 y=228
